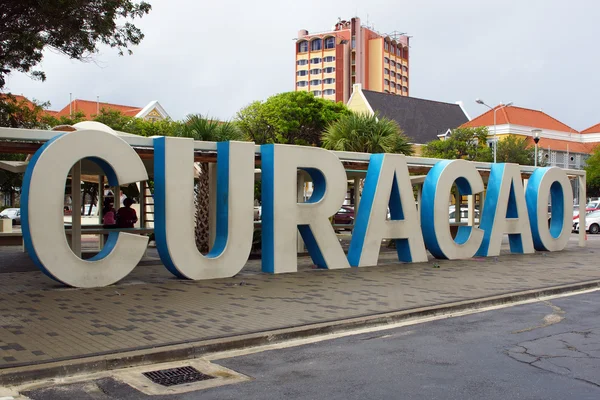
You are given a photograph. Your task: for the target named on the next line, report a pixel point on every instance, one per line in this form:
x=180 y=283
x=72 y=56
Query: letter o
x=544 y=184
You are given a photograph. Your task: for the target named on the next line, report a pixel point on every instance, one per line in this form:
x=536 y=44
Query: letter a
x=283 y=216
x=505 y=211
x=387 y=184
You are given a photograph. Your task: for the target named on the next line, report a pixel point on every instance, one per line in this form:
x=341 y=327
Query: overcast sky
x=215 y=57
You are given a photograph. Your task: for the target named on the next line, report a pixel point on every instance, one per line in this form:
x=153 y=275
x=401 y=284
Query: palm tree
x=211 y=130
x=367 y=134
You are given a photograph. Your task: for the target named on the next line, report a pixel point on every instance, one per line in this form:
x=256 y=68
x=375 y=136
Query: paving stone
x=42 y=321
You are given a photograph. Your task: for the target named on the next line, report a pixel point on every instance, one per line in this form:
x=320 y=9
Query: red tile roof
x=592 y=129
x=564 y=145
x=90 y=108
x=519 y=116
x=22 y=99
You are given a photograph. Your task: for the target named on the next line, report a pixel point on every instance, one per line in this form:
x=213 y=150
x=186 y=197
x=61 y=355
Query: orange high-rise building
x=329 y=63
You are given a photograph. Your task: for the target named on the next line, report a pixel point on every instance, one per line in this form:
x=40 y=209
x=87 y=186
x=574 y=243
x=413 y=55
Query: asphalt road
x=545 y=350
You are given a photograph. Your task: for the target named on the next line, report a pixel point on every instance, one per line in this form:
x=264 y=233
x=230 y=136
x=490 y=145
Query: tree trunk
x=202 y=200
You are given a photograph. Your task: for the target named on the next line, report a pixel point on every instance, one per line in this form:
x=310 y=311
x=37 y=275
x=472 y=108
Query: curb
x=192 y=350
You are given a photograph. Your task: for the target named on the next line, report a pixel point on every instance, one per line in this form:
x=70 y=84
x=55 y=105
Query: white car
x=592 y=223
x=12 y=213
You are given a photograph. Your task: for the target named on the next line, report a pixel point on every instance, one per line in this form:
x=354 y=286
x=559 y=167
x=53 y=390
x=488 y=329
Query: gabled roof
x=421 y=120
x=153 y=105
x=592 y=129
x=90 y=108
x=519 y=116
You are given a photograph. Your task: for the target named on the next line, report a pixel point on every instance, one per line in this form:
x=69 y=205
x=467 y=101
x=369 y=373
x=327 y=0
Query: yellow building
x=329 y=63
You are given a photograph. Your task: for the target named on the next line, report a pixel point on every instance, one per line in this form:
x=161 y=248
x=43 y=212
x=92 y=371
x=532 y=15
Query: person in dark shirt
x=126 y=216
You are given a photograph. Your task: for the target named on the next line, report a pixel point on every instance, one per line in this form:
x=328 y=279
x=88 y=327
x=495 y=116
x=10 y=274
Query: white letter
x=387 y=183
x=282 y=215
x=435 y=220
x=175 y=210
x=505 y=211
x=42 y=204
x=554 y=183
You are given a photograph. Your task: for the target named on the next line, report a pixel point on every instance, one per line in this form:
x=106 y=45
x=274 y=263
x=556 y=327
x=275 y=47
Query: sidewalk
x=42 y=321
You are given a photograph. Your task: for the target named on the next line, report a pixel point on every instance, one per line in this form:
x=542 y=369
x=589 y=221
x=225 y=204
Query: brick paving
x=42 y=321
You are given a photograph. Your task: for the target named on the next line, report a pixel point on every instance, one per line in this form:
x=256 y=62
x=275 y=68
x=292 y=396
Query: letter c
x=42 y=201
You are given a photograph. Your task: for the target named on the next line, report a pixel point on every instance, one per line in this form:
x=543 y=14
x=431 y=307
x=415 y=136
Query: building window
x=330 y=43
x=329 y=81
x=315 y=82
x=316 y=45
x=329 y=59
x=315 y=60
x=302 y=73
x=386 y=71
x=302 y=83
x=386 y=60
x=386 y=91
x=328 y=70
x=405 y=89
x=393 y=74
x=386 y=46
x=353 y=42
x=316 y=92
x=404 y=69
x=392 y=84
x=393 y=49
x=302 y=62
x=303 y=47
x=315 y=71
x=329 y=92
x=386 y=82
x=393 y=63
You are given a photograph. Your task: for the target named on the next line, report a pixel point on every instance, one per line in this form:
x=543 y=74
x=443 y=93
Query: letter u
x=175 y=210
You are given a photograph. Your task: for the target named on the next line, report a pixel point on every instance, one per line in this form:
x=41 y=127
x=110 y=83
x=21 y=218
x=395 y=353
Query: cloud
x=215 y=57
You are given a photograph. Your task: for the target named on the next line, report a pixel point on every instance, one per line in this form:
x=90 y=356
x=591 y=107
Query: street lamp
x=536 y=138
x=501 y=106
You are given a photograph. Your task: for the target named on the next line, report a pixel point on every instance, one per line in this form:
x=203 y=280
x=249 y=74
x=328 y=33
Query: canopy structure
x=28 y=141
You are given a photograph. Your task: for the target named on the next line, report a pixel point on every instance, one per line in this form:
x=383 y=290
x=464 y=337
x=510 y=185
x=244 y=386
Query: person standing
x=126 y=216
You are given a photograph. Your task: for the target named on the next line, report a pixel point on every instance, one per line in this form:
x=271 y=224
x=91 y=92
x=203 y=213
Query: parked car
x=345 y=216
x=12 y=213
x=592 y=223
x=588 y=209
x=257 y=213
x=593 y=205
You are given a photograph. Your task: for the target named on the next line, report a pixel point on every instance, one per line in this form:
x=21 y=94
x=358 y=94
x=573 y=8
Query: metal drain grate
x=176 y=376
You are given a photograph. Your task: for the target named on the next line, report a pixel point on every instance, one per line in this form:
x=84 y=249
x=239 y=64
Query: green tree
x=15 y=113
x=464 y=143
x=52 y=121
x=138 y=126
x=206 y=129
x=292 y=118
x=592 y=170
x=71 y=27
x=367 y=134
x=515 y=149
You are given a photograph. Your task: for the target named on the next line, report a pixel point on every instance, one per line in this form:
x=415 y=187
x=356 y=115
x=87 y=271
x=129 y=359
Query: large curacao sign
x=508 y=209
